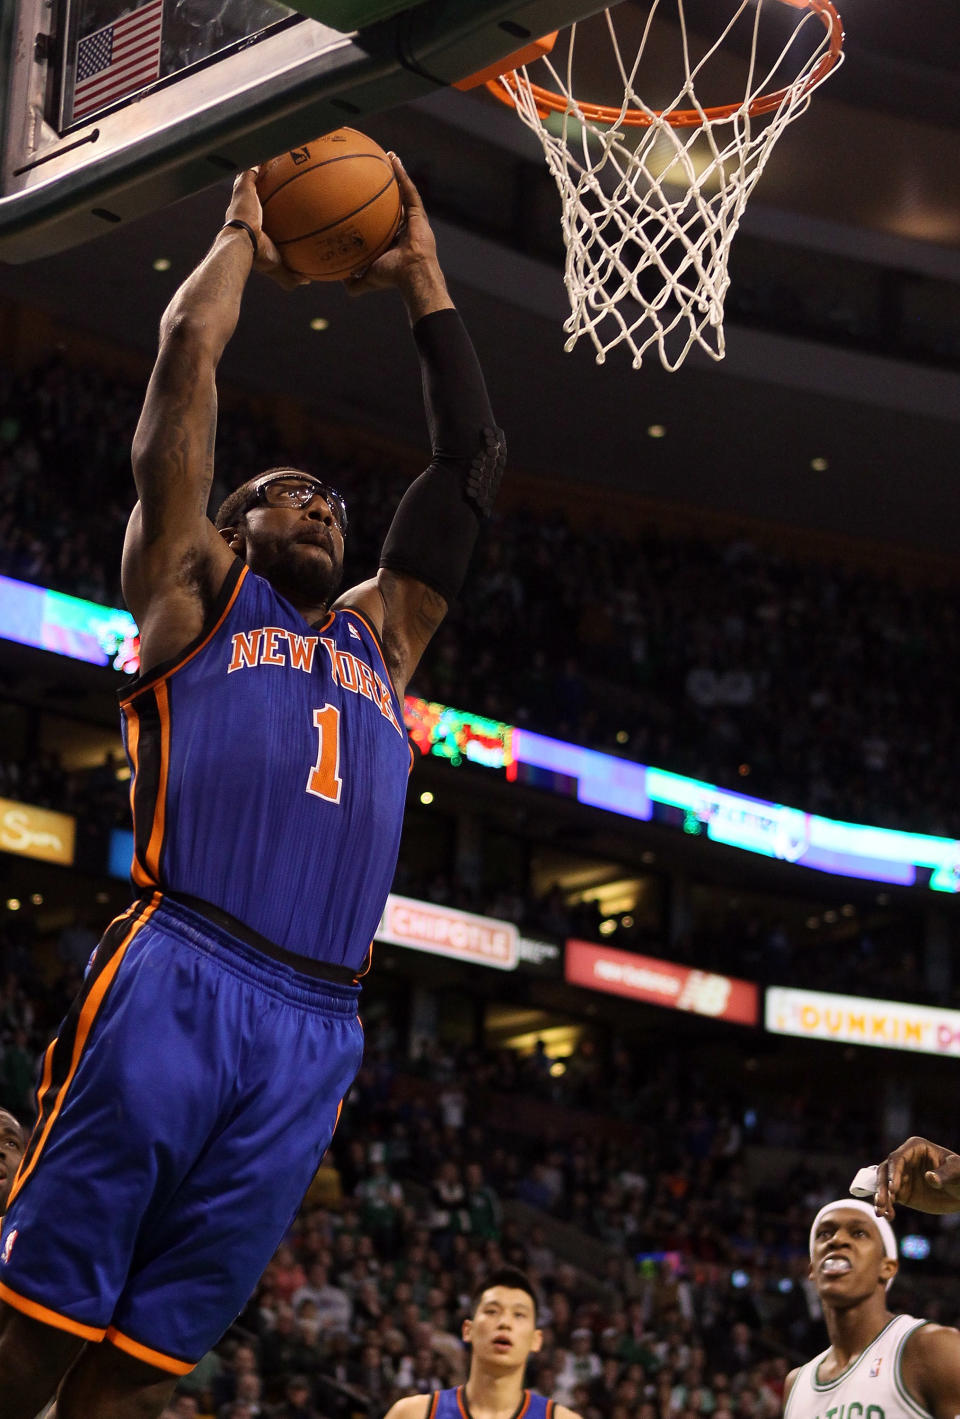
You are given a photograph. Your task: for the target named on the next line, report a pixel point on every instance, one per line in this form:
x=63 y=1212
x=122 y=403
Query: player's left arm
x=560 y=1411
x=788 y=1384
x=931 y=1369
x=432 y=536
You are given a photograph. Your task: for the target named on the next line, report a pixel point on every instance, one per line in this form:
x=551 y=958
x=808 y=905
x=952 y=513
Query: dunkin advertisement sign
x=853 y=1020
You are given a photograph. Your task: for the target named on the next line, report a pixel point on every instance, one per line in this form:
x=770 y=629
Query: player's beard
x=297 y=572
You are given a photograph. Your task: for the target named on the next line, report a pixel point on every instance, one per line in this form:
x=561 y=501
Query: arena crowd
x=631 y=1184
x=674 y=1286
x=824 y=688
x=671 y=1265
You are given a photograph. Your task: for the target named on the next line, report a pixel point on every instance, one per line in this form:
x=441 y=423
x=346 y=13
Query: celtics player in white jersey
x=878 y=1365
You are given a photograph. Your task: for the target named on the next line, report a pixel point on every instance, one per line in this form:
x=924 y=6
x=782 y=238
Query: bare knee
x=104 y=1383
x=33 y=1359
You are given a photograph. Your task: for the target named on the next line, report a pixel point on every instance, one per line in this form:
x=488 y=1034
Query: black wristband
x=244 y=226
x=455 y=395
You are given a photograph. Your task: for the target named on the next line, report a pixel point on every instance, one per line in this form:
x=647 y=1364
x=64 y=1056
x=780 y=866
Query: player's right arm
x=174 y=562
x=919 y=1174
x=414 y=1406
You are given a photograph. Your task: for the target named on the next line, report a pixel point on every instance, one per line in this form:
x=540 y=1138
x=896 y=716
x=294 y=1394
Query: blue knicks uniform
x=452 y=1404
x=270 y=773
x=269 y=769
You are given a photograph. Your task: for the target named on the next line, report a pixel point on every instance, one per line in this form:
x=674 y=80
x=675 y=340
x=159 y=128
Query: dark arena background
x=672 y=947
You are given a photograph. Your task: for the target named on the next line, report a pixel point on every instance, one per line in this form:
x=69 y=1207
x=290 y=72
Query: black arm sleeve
x=435 y=527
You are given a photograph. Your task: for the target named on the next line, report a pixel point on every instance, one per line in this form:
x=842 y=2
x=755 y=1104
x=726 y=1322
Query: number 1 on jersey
x=324 y=780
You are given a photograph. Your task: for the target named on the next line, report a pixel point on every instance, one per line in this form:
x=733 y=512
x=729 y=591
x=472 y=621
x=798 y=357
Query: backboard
x=114 y=108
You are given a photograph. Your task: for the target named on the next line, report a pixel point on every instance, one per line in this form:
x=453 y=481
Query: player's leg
x=297 y=1044
x=119 y=1128
x=105 y=1383
x=33 y=1359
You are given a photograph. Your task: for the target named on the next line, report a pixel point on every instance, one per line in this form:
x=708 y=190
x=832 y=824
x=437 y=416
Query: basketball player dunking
x=196 y=1082
x=502 y=1334
x=878 y=1365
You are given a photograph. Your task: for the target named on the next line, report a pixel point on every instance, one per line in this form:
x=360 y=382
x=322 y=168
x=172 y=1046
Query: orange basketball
x=332 y=206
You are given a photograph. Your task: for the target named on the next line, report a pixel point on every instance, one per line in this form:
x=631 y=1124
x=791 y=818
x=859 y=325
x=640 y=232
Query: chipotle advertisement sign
x=425 y=926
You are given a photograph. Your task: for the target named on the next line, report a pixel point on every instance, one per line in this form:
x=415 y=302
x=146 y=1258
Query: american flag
x=118 y=59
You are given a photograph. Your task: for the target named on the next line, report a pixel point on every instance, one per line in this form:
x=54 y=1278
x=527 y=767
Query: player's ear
x=888 y=1269
x=233 y=536
x=466 y=1331
x=537 y=1341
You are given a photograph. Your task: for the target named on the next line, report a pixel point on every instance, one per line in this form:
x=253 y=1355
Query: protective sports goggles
x=298 y=490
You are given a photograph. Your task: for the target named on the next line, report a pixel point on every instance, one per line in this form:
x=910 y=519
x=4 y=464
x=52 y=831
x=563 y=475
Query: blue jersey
x=452 y=1404
x=269 y=767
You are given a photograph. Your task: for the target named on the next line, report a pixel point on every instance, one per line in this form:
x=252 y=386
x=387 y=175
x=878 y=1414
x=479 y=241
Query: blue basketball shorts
x=183 y=1111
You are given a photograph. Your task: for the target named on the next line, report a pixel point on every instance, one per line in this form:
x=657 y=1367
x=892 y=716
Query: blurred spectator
x=483 y=1211
x=16 y=1075
x=382 y=1199
x=580 y=1365
x=331 y=1305
x=297 y=1404
x=226 y=1386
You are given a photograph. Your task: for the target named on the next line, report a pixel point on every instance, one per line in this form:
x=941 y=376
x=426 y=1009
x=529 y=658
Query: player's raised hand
x=413 y=256
x=245 y=206
x=919 y=1174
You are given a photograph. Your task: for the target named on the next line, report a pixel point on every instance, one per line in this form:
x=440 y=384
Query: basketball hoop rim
x=549 y=102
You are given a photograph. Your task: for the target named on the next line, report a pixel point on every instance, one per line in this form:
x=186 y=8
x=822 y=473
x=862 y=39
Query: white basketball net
x=662 y=199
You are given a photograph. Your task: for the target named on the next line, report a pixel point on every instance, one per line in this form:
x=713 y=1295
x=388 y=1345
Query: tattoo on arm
x=405 y=642
x=429 y=611
x=208 y=463
x=174 y=446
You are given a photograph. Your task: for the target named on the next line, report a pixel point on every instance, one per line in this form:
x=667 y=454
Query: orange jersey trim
x=159 y=824
x=137 y=874
x=432 y=1404
x=45 y=1078
x=524 y=1405
x=156 y=1358
x=48 y=1317
x=352 y=611
x=87 y=1016
x=401 y=702
x=133 y=747
x=154 y=684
